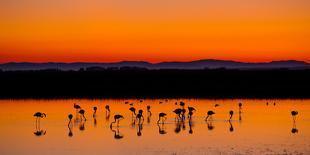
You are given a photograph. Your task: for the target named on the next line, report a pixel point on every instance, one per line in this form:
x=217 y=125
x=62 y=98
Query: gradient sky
x=154 y=30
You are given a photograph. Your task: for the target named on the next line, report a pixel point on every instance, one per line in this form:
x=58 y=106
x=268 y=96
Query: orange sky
x=154 y=30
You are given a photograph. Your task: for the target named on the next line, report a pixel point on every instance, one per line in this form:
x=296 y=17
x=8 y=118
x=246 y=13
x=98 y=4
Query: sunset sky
x=154 y=30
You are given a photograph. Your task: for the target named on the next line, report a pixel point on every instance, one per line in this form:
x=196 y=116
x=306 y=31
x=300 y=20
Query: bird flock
x=138 y=118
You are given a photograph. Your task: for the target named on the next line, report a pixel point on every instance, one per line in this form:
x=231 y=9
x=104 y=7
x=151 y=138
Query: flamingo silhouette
x=182 y=104
x=38 y=116
x=231 y=113
x=210 y=113
x=139 y=116
x=149 y=110
x=216 y=105
x=190 y=111
x=163 y=117
x=70 y=116
x=133 y=110
x=82 y=112
x=294 y=114
x=76 y=107
x=107 y=107
x=117 y=118
x=38 y=131
x=178 y=113
x=95 y=111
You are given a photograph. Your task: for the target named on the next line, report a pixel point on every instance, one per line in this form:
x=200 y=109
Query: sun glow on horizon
x=154 y=31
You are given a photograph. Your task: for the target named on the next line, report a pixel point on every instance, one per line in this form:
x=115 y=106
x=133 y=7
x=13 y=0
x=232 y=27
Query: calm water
x=258 y=129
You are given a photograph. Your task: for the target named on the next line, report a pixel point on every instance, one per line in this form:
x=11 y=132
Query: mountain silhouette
x=199 y=64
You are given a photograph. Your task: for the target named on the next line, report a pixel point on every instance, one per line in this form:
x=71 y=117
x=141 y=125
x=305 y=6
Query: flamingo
x=191 y=109
x=178 y=112
x=210 y=113
x=149 y=109
x=240 y=105
x=162 y=115
x=82 y=112
x=70 y=116
x=107 y=107
x=216 y=105
x=117 y=118
x=95 y=110
x=39 y=115
x=133 y=110
x=294 y=114
x=182 y=104
x=139 y=116
x=76 y=107
x=231 y=113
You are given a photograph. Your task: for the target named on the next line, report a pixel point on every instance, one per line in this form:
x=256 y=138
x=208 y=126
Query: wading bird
x=163 y=117
x=182 y=104
x=39 y=115
x=231 y=113
x=117 y=118
x=178 y=112
x=95 y=111
x=107 y=108
x=76 y=107
x=216 y=105
x=139 y=116
x=294 y=114
x=133 y=110
x=191 y=109
x=70 y=116
x=82 y=112
x=209 y=114
x=149 y=110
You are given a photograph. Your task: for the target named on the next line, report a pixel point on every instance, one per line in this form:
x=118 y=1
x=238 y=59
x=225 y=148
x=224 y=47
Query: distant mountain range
x=199 y=64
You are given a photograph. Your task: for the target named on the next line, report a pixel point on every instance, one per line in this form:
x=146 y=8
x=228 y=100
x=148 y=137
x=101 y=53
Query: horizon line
x=72 y=62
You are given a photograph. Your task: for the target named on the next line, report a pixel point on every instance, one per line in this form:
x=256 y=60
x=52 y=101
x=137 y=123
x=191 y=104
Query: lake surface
x=257 y=129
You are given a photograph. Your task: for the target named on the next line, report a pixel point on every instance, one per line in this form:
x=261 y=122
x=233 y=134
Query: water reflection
x=139 y=131
x=231 y=128
x=117 y=134
x=161 y=129
x=190 y=124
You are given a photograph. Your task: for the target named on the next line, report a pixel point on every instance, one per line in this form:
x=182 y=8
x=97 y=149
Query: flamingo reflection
x=231 y=128
x=140 y=127
x=161 y=129
x=190 y=124
x=117 y=134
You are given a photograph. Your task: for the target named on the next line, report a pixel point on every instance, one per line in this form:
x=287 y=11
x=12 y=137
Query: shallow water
x=258 y=129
